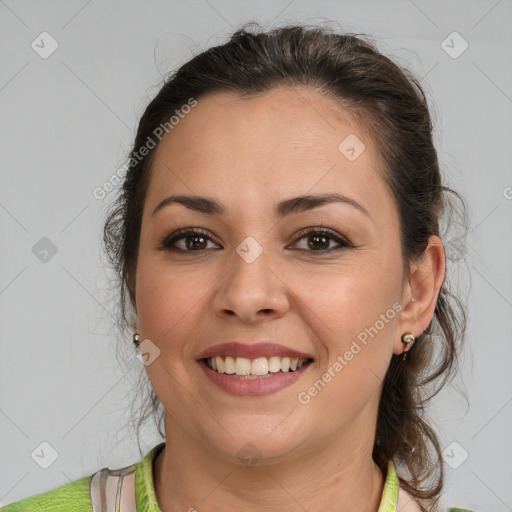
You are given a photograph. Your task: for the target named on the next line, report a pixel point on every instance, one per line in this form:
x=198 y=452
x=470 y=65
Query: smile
x=254 y=368
x=242 y=382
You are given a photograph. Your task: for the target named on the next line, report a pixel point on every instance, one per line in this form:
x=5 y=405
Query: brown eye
x=190 y=240
x=317 y=240
x=320 y=240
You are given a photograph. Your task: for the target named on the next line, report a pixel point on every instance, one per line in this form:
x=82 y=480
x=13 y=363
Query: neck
x=336 y=475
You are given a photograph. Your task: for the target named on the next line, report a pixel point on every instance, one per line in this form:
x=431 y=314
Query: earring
x=136 y=338
x=407 y=339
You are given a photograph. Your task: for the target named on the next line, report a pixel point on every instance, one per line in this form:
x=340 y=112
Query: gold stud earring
x=136 y=338
x=407 y=339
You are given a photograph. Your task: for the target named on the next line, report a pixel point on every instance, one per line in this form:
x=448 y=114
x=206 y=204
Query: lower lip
x=253 y=387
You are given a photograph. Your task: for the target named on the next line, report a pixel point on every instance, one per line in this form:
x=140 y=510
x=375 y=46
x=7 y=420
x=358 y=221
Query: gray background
x=67 y=123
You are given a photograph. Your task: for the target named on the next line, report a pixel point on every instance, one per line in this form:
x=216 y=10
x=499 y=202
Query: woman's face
x=254 y=274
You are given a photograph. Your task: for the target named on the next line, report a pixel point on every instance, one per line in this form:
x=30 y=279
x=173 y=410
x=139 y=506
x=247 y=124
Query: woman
x=277 y=236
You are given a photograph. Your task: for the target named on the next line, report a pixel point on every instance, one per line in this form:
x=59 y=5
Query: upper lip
x=252 y=351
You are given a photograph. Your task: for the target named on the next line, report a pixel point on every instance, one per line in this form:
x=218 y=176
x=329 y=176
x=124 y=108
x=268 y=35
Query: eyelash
x=167 y=243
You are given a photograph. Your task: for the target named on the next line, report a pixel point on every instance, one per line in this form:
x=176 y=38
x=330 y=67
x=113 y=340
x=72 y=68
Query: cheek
x=347 y=297
x=355 y=325
x=353 y=313
x=168 y=304
x=165 y=296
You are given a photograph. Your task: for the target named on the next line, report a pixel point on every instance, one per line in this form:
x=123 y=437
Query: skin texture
x=249 y=154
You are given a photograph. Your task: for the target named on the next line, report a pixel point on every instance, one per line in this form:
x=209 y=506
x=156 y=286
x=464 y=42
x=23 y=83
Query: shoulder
x=71 y=497
x=76 y=496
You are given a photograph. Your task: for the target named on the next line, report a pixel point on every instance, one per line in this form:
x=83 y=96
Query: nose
x=253 y=291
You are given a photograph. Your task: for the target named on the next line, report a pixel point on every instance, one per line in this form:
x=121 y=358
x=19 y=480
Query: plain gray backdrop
x=68 y=116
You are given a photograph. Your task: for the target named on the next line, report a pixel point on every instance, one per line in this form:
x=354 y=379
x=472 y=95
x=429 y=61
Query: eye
x=194 y=240
x=319 y=240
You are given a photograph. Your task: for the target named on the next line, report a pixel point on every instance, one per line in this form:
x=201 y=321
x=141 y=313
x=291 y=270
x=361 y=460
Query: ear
x=131 y=291
x=133 y=301
x=420 y=292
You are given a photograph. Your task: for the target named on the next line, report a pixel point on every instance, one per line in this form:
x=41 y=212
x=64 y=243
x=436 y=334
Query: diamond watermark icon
x=44 y=250
x=249 y=249
x=147 y=352
x=454 y=45
x=455 y=455
x=352 y=147
x=44 y=45
x=249 y=454
x=44 y=455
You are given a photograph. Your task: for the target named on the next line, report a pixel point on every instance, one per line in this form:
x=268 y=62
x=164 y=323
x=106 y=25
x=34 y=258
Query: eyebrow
x=283 y=209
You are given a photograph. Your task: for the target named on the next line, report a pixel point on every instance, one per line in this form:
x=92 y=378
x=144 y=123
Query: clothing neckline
x=145 y=493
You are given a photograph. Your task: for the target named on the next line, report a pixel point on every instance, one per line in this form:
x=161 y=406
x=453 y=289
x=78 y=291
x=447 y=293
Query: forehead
x=282 y=142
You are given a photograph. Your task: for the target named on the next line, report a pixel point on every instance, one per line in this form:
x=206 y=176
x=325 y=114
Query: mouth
x=253 y=369
x=257 y=368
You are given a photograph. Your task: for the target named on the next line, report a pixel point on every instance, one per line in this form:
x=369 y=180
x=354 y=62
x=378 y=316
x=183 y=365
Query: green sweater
x=75 y=496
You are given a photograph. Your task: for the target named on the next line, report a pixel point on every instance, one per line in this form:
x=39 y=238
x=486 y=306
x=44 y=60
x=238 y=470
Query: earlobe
x=420 y=293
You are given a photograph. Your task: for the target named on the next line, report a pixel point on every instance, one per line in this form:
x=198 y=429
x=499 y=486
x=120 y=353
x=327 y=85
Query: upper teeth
x=258 y=366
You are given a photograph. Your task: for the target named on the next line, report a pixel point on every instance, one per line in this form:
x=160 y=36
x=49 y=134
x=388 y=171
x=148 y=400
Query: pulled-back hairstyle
x=390 y=104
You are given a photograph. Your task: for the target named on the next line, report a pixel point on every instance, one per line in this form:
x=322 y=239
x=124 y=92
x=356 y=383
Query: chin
x=256 y=444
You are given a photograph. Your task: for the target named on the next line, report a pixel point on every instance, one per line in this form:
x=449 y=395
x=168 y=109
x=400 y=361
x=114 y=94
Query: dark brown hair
x=389 y=102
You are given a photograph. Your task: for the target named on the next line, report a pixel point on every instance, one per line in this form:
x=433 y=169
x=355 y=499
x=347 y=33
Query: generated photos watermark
x=114 y=181
x=304 y=397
